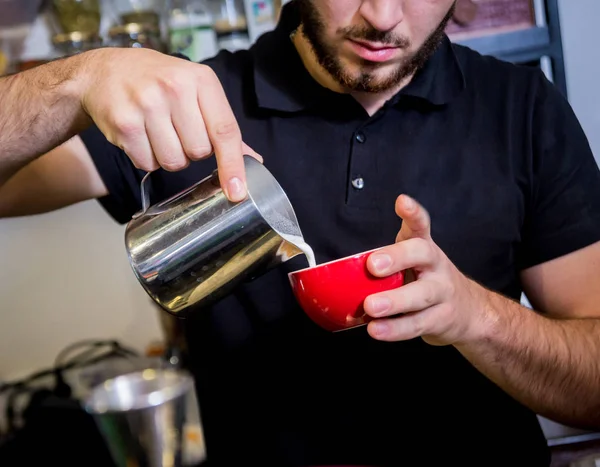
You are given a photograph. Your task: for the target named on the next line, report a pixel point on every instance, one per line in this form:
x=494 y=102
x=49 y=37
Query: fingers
x=423 y=323
x=412 y=253
x=225 y=135
x=128 y=132
x=415 y=219
x=191 y=130
x=165 y=142
x=409 y=298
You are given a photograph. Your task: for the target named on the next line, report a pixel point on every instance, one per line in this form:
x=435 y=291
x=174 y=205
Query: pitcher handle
x=145 y=195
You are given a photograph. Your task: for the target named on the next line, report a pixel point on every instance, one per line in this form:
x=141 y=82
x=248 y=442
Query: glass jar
x=72 y=43
x=3 y=63
x=138 y=11
x=191 y=32
x=82 y=16
x=229 y=15
x=136 y=35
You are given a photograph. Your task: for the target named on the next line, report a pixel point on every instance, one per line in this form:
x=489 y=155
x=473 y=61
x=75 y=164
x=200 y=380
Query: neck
x=371 y=102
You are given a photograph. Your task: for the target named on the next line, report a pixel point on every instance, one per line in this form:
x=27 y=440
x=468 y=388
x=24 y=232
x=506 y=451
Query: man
x=352 y=104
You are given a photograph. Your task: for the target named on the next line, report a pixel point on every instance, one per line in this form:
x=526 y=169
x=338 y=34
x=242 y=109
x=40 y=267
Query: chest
x=343 y=176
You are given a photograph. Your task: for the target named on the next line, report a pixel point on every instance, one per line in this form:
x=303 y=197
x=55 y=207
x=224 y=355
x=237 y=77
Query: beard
x=366 y=80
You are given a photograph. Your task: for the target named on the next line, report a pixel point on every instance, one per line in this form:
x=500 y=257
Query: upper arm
x=568 y=286
x=560 y=245
x=64 y=176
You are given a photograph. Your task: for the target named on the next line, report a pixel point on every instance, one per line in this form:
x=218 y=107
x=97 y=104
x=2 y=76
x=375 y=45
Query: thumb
x=415 y=219
x=251 y=152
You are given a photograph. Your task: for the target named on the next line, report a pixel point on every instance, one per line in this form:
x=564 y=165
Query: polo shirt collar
x=440 y=80
x=282 y=83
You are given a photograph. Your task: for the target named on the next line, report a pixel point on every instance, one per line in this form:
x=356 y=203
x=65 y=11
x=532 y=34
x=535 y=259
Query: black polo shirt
x=498 y=158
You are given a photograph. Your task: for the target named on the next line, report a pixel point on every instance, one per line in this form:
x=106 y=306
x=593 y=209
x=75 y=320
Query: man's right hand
x=164 y=112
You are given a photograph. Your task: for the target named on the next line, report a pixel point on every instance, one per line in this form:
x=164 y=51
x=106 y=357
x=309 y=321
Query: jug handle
x=144 y=195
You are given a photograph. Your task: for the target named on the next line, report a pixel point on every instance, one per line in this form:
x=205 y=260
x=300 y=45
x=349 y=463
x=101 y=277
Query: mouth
x=373 y=51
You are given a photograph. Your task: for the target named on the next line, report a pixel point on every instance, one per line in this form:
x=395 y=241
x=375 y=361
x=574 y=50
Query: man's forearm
x=39 y=110
x=550 y=365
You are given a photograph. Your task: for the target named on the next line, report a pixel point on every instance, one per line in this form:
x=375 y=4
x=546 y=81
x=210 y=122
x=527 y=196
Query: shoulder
x=228 y=65
x=520 y=93
x=476 y=64
x=234 y=69
x=235 y=72
x=492 y=78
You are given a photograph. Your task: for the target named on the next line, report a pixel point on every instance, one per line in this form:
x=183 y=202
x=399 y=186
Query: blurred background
x=57 y=292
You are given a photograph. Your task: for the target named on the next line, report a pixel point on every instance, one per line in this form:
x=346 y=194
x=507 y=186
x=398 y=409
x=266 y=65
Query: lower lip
x=373 y=55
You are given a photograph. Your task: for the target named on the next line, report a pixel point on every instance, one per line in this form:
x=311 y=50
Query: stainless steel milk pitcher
x=196 y=247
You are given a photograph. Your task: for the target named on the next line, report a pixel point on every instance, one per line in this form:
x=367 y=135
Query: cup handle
x=144 y=195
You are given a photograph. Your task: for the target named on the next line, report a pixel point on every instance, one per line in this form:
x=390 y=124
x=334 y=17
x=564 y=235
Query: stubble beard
x=313 y=28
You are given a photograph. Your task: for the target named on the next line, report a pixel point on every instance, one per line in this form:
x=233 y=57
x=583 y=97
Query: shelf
x=508 y=43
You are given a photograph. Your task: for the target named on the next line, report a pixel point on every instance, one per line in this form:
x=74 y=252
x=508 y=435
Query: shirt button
x=360 y=137
x=358 y=183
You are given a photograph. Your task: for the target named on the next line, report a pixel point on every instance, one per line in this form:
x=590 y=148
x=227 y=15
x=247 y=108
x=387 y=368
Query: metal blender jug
x=142 y=416
x=196 y=247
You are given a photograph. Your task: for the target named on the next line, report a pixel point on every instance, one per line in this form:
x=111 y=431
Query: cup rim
x=96 y=404
x=339 y=260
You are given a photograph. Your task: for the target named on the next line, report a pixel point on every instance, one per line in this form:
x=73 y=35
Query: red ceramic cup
x=332 y=294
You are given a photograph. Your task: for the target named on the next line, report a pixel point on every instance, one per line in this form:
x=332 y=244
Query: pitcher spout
x=288 y=250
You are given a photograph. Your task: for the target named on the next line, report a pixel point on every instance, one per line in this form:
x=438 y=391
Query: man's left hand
x=441 y=305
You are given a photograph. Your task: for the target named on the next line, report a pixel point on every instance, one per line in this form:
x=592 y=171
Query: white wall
x=64 y=276
x=579 y=28
x=579 y=25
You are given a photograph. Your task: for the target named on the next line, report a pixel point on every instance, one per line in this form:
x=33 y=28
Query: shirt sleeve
x=120 y=176
x=564 y=209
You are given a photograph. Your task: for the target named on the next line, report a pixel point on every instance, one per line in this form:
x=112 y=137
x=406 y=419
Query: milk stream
x=289 y=230
x=299 y=243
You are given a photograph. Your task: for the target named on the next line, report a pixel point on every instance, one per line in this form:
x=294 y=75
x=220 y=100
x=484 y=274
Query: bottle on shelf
x=137 y=11
x=190 y=29
x=77 y=25
x=136 y=35
x=81 y=16
x=230 y=24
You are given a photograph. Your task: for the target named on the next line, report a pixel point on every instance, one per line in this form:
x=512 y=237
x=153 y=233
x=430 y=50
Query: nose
x=383 y=15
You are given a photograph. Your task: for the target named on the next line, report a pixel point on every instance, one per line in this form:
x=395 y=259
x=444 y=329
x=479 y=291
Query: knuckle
x=446 y=309
x=450 y=289
x=398 y=303
x=206 y=74
x=199 y=152
x=428 y=249
x=174 y=164
x=149 y=100
x=146 y=166
x=140 y=161
x=127 y=128
x=418 y=324
x=227 y=130
x=430 y=296
x=174 y=84
x=229 y=168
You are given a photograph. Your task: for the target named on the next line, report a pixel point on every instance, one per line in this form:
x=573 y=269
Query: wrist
x=485 y=314
x=84 y=73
